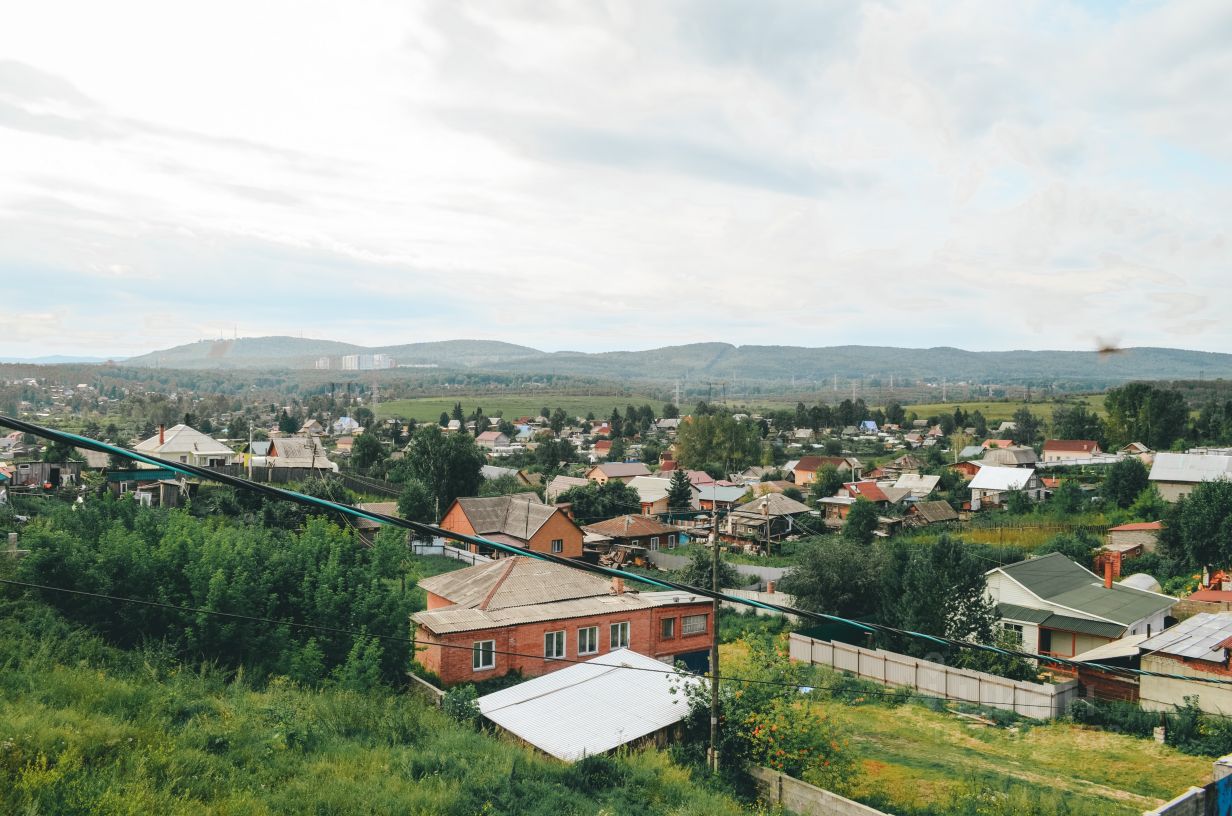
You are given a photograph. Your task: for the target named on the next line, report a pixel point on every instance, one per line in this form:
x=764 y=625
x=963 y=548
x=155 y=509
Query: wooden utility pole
x=714 y=642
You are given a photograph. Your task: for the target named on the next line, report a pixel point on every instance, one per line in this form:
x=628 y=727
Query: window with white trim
x=654 y=542
x=620 y=635
x=588 y=640
x=693 y=624
x=1012 y=632
x=558 y=545
x=554 y=645
x=483 y=655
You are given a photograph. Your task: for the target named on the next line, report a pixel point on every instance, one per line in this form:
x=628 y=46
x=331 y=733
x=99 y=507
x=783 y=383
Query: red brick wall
x=453 y=665
x=562 y=527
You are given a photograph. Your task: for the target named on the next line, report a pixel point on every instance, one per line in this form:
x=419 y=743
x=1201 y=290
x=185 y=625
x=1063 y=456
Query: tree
x=1077 y=422
x=416 y=502
x=1149 y=506
x=1141 y=412
x=288 y=424
x=557 y=421
x=826 y=483
x=551 y=453
x=861 y=522
x=505 y=485
x=1198 y=529
x=1125 y=482
x=1068 y=498
x=364 y=417
x=794 y=494
x=1027 y=427
x=367 y=451
x=444 y=420
x=1078 y=547
x=457 y=412
x=616 y=453
x=449 y=465
x=60 y=452
x=679 y=492
x=837 y=576
x=1018 y=503
x=594 y=501
x=670 y=411
x=894 y=413
x=699 y=570
x=717 y=439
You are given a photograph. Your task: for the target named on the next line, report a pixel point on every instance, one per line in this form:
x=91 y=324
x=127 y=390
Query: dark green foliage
x=1198 y=528
x=1077 y=422
x=1125 y=482
x=717 y=439
x=1017 y=503
x=680 y=492
x=367 y=451
x=448 y=464
x=826 y=482
x=1187 y=728
x=318 y=574
x=1027 y=427
x=594 y=502
x=416 y=502
x=1141 y=412
x=699 y=570
x=1078 y=547
x=837 y=577
x=1067 y=499
x=861 y=522
x=459 y=704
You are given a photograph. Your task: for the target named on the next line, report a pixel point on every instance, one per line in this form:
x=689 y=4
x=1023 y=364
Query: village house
x=804 y=471
x=560 y=484
x=492 y=440
x=518 y=520
x=1053 y=606
x=343 y=426
x=1197 y=647
x=528 y=615
x=991 y=486
x=917 y=486
x=1135 y=538
x=1175 y=475
x=622 y=471
x=637 y=532
x=289 y=451
x=652 y=492
x=1013 y=456
x=185 y=445
x=768 y=519
x=720 y=497
x=930 y=512
x=1065 y=450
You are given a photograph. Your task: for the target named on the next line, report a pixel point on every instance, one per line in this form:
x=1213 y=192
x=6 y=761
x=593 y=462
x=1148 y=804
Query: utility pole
x=250 y=451
x=714 y=640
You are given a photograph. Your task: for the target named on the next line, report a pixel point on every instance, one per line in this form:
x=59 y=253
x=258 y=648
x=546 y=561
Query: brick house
x=519 y=520
x=1064 y=450
x=623 y=471
x=531 y=616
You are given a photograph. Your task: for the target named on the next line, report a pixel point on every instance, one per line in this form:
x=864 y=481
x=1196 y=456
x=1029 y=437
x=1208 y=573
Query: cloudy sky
x=600 y=175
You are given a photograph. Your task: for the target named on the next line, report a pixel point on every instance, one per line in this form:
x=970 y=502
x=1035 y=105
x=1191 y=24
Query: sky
x=616 y=175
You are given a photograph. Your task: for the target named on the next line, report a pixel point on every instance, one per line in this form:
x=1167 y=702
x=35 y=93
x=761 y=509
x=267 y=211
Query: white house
x=991 y=484
x=180 y=443
x=1056 y=607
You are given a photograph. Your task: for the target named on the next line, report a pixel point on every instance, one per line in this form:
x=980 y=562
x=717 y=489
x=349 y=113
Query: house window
x=667 y=629
x=554 y=645
x=654 y=543
x=1012 y=632
x=693 y=624
x=558 y=545
x=184 y=459
x=671 y=541
x=588 y=640
x=620 y=635
x=483 y=655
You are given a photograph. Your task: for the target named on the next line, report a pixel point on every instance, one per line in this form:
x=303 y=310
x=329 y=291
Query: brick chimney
x=1108 y=574
x=162 y=435
x=770 y=585
x=618 y=586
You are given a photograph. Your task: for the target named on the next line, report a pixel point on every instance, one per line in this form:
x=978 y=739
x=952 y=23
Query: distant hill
x=720 y=361
x=56 y=359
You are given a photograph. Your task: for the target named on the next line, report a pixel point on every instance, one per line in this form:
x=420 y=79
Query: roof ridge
x=496 y=586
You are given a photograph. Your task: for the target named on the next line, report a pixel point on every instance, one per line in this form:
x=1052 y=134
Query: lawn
x=1004 y=410
x=428 y=409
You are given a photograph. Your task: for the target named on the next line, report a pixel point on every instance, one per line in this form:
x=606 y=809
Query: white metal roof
x=1125 y=647
x=1001 y=478
x=593 y=707
x=1202 y=637
x=1190 y=467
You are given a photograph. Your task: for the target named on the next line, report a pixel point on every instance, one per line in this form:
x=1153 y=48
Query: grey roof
x=182 y=439
x=519 y=516
x=722 y=493
x=776 y=505
x=560 y=484
x=496 y=471
x=260 y=447
x=1190 y=467
x=1205 y=636
x=936 y=511
x=1001 y=478
x=1057 y=580
x=593 y=707
x=516 y=581
x=916 y=484
x=1025 y=614
x=971 y=452
x=1016 y=456
x=451 y=619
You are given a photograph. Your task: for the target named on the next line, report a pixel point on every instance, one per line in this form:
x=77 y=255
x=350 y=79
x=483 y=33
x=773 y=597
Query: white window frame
x=667 y=635
x=618 y=635
x=558 y=545
x=1013 y=629
x=654 y=543
x=480 y=650
x=689 y=622
x=554 y=645
x=588 y=640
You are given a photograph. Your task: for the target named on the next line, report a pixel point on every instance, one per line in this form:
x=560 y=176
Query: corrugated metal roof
x=452 y=619
x=991 y=477
x=1200 y=637
x=1056 y=579
x=1190 y=467
x=776 y=505
x=590 y=708
x=516 y=581
x=1084 y=626
x=1023 y=614
x=1125 y=647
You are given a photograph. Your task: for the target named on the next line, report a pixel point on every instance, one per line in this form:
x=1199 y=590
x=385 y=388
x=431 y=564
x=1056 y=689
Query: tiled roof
x=1153 y=526
x=630 y=526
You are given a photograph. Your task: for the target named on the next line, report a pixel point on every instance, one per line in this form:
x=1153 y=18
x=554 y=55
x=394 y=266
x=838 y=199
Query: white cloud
x=619 y=175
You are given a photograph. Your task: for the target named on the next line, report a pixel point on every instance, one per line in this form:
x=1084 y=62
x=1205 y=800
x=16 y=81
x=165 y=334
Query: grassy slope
x=428 y=409
x=999 y=411
x=88 y=729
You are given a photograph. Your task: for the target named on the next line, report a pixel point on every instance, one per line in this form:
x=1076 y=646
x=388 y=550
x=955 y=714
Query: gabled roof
x=1059 y=581
x=512 y=582
x=991 y=477
x=776 y=505
x=183 y=439
x=630 y=526
x=970 y=452
x=560 y=484
x=935 y=511
x=810 y=464
x=1151 y=526
x=489 y=436
x=619 y=470
x=917 y=484
x=1072 y=445
x=1014 y=456
x=1190 y=467
x=517 y=516
x=866 y=490
x=590 y=708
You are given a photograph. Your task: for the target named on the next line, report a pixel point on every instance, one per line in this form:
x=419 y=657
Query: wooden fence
x=1039 y=701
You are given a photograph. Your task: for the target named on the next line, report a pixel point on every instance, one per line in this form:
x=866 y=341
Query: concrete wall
x=1036 y=700
x=765 y=597
x=441 y=546
x=1213 y=798
x=1165 y=693
x=805 y=799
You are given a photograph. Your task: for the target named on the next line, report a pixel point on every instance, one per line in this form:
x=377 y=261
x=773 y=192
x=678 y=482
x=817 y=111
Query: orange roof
x=1078 y=445
x=1138 y=525
x=866 y=490
x=1211 y=596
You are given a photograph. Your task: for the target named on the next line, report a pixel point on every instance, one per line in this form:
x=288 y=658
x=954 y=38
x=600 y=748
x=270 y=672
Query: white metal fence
x=439 y=547
x=1040 y=701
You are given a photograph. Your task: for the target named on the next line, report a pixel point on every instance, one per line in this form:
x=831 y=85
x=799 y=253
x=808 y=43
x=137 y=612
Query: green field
x=428 y=409
x=998 y=411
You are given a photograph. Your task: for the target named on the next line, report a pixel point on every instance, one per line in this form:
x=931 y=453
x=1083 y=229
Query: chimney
x=618 y=586
x=1108 y=573
x=770 y=587
x=162 y=434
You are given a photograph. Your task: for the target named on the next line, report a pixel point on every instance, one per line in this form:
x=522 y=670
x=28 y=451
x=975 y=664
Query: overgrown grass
x=88 y=729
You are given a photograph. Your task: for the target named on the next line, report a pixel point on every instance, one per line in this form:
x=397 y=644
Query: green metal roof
x=1084 y=626
x=1023 y=614
x=1056 y=579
